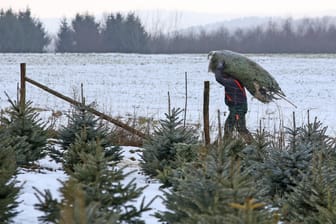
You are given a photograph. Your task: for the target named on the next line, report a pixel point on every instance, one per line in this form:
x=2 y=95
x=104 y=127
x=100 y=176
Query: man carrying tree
x=236 y=100
x=235 y=72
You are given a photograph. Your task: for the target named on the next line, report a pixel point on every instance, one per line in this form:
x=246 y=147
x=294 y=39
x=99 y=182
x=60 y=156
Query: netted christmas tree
x=9 y=189
x=160 y=150
x=22 y=122
x=82 y=120
x=215 y=190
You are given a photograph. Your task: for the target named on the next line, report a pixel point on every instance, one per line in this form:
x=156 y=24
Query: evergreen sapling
x=23 y=124
x=81 y=120
x=160 y=150
x=9 y=189
x=208 y=190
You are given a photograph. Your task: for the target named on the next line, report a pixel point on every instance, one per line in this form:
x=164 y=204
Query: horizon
x=173 y=14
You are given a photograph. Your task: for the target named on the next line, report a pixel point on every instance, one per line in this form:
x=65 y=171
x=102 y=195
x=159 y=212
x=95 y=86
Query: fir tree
x=9 y=191
x=135 y=38
x=22 y=123
x=185 y=153
x=282 y=169
x=208 y=190
x=160 y=150
x=104 y=198
x=65 y=42
x=81 y=120
x=314 y=135
x=112 y=33
x=102 y=183
x=86 y=33
x=48 y=205
x=257 y=152
x=312 y=200
x=74 y=208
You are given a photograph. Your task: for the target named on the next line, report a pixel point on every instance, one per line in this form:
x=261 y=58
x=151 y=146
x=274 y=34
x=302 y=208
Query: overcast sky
x=184 y=12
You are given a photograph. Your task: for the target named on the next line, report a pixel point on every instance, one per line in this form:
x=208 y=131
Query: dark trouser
x=236 y=119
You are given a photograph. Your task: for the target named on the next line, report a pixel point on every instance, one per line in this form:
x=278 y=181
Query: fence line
x=25 y=79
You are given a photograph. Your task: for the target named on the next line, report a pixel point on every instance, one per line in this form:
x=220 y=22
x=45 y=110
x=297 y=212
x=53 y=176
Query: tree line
x=118 y=33
x=309 y=35
x=20 y=32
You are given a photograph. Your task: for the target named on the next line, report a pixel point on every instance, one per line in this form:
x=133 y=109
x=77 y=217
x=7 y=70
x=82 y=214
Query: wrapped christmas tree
x=255 y=78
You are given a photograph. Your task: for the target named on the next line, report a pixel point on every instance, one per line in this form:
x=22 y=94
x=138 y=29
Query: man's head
x=215 y=64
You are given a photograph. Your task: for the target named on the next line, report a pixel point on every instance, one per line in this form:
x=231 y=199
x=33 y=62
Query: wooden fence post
x=22 y=85
x=206 y=112
x=186 y=98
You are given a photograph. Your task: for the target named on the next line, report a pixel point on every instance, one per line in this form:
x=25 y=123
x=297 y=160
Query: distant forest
x=20 y=32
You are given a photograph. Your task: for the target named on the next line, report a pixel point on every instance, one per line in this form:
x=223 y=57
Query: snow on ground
x=50 y=179
x=42 y=180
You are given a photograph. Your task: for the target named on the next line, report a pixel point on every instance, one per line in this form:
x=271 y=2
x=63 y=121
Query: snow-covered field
x=132 y=84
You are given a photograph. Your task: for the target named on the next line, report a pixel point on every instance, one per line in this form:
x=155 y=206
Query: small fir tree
x=282 y=169
x=48 y=205
x=160 y=150
x=107 y=199
x=102 y=182
x=257 y=152
x=23 y=123
x=74 y=207
x=82 y=120
x=312 y=200
x=9 y=189
x=185 y=153
x=208 y=190
x=314 y=134
x=279 y=170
